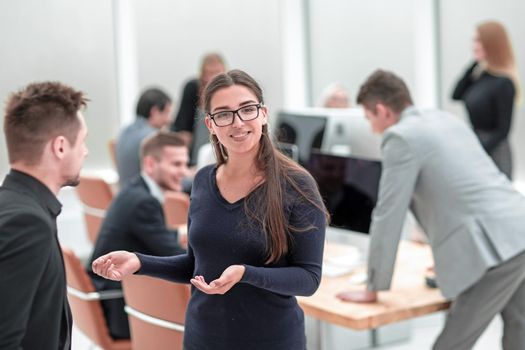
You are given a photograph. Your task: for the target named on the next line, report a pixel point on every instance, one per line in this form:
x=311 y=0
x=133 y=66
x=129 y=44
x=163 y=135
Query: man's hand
x=358 y=296
x=231 y=276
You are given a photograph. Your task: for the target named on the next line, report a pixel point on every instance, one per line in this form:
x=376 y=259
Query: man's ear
x=153 y=111
x=59 y=146
x=148 y=164
x=381 y=110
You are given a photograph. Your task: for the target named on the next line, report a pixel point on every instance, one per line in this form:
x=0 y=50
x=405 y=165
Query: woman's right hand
x=116 y=265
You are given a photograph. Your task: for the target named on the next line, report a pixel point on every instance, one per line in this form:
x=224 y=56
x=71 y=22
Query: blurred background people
x=154 y=110
x=135 y=220
x=190 y=103
x=489 y=90
x=335 y=96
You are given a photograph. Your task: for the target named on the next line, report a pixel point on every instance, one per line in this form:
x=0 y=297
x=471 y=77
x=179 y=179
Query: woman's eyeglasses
x=246 y=113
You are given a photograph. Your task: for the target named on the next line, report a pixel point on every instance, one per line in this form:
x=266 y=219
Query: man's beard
x=166 y=187
x=73 y=182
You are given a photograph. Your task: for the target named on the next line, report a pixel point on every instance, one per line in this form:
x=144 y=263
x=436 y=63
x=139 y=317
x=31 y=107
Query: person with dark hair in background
x=154 y=110
x=256 y=233
x=190 y=103
x=472 y=215
x=135 y=220
x=489 y=89
x=45 y=134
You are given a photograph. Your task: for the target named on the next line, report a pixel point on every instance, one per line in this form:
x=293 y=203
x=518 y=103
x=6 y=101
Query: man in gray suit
x=472 y=215
x=154 y=110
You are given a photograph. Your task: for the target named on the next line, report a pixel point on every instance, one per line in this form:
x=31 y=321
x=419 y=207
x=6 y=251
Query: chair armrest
x=102 y=295
x=153 y=320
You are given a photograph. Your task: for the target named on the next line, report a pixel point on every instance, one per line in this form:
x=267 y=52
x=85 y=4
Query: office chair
x=112 y=144
x=96 y=196
x=85 y=304
x=156 y=311
x=176 y=205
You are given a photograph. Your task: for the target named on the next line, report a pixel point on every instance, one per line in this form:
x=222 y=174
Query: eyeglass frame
x=236 y=112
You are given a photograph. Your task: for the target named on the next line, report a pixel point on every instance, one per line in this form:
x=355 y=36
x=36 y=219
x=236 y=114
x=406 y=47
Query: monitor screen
x=289 y=149
x=349 y=186
x=349 y=133
x=304 y=128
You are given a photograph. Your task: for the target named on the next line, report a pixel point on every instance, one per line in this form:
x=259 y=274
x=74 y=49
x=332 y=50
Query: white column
x=125 y=59
x=294 y=50
x=426 y=46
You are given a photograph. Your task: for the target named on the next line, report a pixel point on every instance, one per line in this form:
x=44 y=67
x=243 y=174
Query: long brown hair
x=498 y=51
x=266 y=206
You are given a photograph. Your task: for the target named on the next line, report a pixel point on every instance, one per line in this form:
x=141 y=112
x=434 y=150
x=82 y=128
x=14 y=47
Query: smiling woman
x=255 y=236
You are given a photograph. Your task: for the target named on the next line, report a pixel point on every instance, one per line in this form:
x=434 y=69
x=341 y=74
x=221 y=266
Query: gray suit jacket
x=127 y=149
x=472 y=215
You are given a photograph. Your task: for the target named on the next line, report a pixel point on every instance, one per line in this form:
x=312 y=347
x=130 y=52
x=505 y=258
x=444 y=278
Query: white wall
x=174 y=35
x=352 y=38
x=66 y=40
x=458 y=22
x=73 y=41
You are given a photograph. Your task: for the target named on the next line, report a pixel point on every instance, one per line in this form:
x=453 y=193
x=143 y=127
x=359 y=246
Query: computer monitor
x=289 y=149
x=349 y=186
x=201 y=136
x=302 y=127
x=349 y=133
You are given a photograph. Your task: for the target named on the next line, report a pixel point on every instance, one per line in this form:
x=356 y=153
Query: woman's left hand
x=231 y=276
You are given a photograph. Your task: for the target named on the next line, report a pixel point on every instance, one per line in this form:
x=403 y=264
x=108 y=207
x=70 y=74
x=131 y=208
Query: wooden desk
x=408 y=298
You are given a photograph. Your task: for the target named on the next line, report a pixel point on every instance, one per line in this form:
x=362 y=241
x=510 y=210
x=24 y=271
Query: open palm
x=116 y=265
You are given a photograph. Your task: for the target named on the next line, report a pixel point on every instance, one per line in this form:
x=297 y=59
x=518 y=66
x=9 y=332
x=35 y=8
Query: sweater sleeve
x=504 y=105
x=302 y=274
x=178 y=268
x=464 y=83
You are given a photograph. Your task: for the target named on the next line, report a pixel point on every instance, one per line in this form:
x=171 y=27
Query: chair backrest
x=112 y=144
x=176 y=205
x=85 y=304
x=96 y=196
x=156 y=311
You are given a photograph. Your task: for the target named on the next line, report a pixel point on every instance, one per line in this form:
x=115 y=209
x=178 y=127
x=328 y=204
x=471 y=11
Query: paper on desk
x=338 y=265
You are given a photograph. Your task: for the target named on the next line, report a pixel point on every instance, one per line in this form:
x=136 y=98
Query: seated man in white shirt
x=135 y=220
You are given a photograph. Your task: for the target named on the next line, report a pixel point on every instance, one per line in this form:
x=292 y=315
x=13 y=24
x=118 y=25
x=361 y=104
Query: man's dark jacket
x=134 y=222
x=34 y=312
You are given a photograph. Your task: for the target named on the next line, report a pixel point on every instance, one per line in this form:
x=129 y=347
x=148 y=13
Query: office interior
x=113 y=49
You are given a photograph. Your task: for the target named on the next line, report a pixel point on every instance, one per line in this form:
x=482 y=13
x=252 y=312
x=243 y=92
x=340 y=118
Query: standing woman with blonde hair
x=255 y=233
x=490 y=89
x=190 y=109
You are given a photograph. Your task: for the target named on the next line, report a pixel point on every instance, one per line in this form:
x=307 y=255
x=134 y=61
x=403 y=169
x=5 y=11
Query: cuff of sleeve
x=143 y=261
x=248 y=276
x=376 y=282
